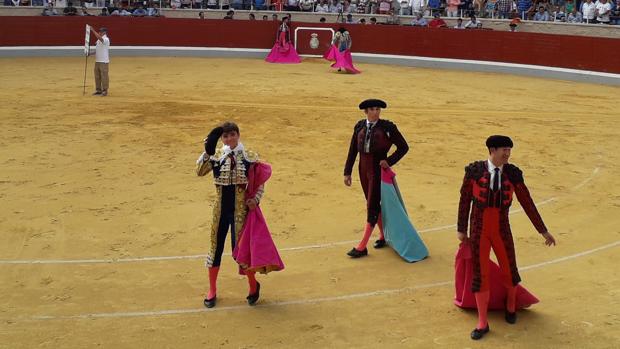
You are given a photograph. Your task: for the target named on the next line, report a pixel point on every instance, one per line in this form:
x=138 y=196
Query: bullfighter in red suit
x=489 y=185
x=372 y=139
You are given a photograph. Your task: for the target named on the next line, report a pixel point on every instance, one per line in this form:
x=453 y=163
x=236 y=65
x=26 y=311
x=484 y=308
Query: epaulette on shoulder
x=251 y=155
x=475 y=169
x=218 y=153
x=359 y=125
x=514 y=173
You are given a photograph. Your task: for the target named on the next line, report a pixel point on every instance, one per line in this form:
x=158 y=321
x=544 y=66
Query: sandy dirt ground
x=113 y=178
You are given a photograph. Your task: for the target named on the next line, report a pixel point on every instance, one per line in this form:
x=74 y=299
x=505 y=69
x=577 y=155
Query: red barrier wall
x=578 y=52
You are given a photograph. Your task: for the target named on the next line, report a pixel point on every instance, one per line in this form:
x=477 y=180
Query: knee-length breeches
x=370 y=178
x=491 y=238
x=229 y=213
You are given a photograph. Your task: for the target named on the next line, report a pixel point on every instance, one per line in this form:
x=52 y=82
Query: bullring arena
x=105 y=225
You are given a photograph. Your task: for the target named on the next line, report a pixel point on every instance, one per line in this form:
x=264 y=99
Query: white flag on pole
x=87 y=41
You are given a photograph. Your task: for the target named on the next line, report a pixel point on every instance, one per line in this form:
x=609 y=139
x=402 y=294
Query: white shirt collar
x=368 y=123
x=492 y=167
x=226 y=150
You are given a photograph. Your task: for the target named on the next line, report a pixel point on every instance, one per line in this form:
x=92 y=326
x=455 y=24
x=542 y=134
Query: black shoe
x=477 y=334
x=511 y=318
x=253 y=298
x=97 y=93
x=380 y=243
x=210 y=303
x=355 y=253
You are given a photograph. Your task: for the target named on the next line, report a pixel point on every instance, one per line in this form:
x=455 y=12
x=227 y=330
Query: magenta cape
x=344 y=61
x=256 y=250
x=330 y=55
x=283 y=51
x=464 y=297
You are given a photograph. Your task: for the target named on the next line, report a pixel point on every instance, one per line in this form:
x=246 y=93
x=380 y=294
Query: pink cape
x=283 y=52
x=464 y=297
x=330 y=55
x=255 y=250
x=344 y=61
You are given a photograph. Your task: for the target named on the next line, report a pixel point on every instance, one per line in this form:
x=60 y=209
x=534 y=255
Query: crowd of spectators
x=571 y=11
x=138 y=9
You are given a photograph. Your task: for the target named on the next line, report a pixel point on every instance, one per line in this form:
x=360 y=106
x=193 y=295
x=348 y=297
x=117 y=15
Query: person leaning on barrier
x=49 y=10
x=70 y=10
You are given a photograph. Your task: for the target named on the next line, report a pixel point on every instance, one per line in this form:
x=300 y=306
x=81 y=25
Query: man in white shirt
x=588 y=9
x=102 y=62
x=418 y=6
x=603 y=9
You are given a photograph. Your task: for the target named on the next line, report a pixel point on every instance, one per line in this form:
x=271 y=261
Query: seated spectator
x=213 y=5
x=265 y=18
x=186 y=3
x=373 y=20
x=274 y=17
x=349 y=18
x=559 y=15
x=472 y=23
x=84 y=12
x=392 y=18
x=459 y=24
x=603 y=11
x=362 y=21
x=201 y=15
x=541 y=15
x=104 y=12
x=229 y=15
x=419 y=20
x=70 y=10
x=385 y=6
x=437 y=22
x=50 y=10
x=175 y=4
x=251 y=17
x=306 y=5
x=139 y=12
x=322 y=7
x=574 y=16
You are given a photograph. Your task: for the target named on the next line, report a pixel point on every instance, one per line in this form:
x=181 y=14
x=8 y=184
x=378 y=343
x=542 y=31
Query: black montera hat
x=498 y=141
x=369 y=103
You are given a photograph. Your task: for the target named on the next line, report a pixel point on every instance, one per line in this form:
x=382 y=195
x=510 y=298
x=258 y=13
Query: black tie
x=496 y=180
x=233 y=162
x=368 y=132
